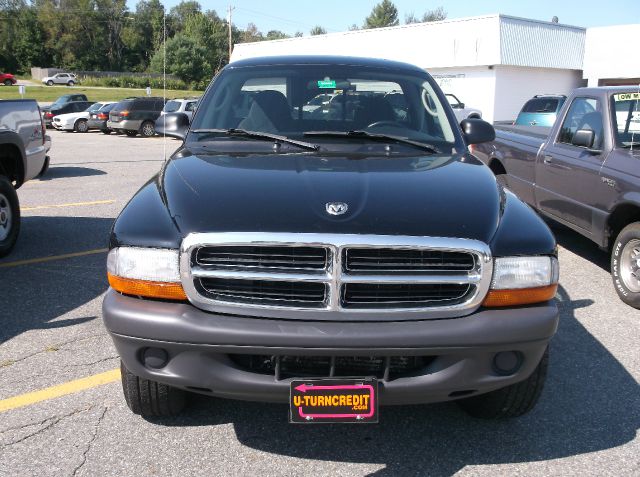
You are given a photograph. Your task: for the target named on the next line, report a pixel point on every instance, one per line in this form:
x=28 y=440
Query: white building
x=493 y=63
x=607 y=62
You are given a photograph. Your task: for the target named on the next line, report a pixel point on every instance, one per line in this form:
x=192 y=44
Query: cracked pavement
x=51 y=332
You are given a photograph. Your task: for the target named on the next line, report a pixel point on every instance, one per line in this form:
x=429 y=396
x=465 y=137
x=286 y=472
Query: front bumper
x=199 y=345
x=62 y=126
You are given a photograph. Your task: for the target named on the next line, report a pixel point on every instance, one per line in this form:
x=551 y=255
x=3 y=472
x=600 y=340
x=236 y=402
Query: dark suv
x=136 y=115
x=71 y=107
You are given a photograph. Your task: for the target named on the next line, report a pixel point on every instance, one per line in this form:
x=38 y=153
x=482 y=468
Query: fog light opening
x=155 y=358
x=506 y=363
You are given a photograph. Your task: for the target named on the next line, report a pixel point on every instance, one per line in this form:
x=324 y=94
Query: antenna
x=633 y=133
x=164 y=76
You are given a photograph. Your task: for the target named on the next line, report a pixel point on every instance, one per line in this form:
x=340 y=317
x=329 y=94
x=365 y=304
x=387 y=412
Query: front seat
x=269 y=112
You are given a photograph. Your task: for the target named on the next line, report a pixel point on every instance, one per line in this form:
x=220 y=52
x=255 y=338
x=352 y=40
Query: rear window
x=172 y=106
x=541 y=105
x=123 y=105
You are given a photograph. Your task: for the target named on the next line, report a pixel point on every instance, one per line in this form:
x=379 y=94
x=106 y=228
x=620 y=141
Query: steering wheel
x=385 y=123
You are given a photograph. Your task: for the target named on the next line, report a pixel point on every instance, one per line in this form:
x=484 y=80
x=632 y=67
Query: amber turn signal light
x=520 y=296
x=165 y=290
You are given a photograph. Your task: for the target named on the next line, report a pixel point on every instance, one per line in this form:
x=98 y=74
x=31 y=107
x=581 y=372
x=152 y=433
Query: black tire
x=45 y=167
x=9 y=216
x=106 y=131
x=148 y=129
x=8 y=82
x=150 y=398
x=71 y=83
x=131 y=133
x=624 y=264
x=511 y=401
x=50 y=83
x=81 y=126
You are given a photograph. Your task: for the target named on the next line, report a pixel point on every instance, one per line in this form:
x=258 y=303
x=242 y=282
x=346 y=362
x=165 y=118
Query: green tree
x=143 y=35
x=276 y=35
x=384 y=14
x=317 y=30
x=180 y=14
x=435 y=15
x=185 y=58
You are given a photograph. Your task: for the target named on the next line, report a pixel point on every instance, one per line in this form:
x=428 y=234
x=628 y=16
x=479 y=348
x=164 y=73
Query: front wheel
x=511 y=401
x=7 y=82
x=148 y=129
x=625 y=264
x=49 y=83
x=150 y=398
x=71 y=83
x=9 y=216
x=81 y=126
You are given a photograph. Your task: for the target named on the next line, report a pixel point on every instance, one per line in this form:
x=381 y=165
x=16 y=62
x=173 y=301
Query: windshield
x=294 y=100
x=627 y=119
x=61 y=100
x=541 y=105
x=94 y=107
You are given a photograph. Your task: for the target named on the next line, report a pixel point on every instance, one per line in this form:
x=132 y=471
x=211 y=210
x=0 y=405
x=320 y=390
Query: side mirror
x=173 y=125
x=477 y=131
x=460 y=106
x=584 y=138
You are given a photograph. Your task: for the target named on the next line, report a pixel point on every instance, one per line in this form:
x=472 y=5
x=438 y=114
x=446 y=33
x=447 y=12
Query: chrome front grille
x=335 y=277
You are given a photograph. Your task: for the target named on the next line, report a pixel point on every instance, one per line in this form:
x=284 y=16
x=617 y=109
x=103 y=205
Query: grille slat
x=406 y=260
x=359 y=295
x=260 y=292
x=258 y=257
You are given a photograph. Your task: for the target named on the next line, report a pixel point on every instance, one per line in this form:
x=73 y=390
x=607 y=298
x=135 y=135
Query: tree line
x=105 y=35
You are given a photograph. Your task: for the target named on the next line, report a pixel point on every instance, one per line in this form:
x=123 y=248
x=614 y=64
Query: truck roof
x=325 y=60
x=607 y=90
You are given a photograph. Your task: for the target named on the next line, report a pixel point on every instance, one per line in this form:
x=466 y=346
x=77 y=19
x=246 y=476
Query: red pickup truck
x=7 y=79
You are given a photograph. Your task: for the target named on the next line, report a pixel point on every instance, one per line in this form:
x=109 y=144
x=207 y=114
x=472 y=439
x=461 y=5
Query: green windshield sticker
x=326 y=84
x=621 y=96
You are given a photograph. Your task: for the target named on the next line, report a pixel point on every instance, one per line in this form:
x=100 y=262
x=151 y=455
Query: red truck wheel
x=9 y=216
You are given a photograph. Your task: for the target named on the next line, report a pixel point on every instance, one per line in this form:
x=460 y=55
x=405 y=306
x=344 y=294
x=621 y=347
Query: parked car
x=61 y=78
x=98 y=119
x=136 y=116
x=72 y=107
x=582 y=172
x=77 y=121
x=186 y=106
x=7 y=79
x=23 y=152
x=541 y=110
x=61 y=101
x=461 y=110
x=275 y=256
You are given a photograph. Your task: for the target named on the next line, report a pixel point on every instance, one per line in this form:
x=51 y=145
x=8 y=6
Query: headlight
x=149 y=272
x=522 y=281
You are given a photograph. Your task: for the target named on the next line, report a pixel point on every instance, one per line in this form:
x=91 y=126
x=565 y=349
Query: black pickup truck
x=335 y=259
x=582 y=172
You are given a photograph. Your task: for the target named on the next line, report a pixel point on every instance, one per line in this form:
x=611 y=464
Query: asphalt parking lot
x=51 y=333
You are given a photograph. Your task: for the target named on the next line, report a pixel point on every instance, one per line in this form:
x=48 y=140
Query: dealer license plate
x=332 y=400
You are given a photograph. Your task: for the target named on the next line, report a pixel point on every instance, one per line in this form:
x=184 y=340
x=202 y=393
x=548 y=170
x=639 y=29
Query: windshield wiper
x=376 y=136
x=233 y=132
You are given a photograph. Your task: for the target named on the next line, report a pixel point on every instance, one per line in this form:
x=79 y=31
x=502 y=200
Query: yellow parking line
x=31 y=261
x=72 y=204
x=60 y=390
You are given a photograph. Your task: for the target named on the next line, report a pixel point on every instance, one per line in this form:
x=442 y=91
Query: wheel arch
x=622 y=215
x=12 y=158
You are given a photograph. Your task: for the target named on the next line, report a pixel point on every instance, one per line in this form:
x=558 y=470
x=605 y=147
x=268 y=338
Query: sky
x=290 y=16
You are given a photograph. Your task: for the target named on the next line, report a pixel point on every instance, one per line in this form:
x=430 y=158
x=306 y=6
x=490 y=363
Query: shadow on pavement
x=32 y=296
x=590 y=403
x=580 y=245
x=57 y=172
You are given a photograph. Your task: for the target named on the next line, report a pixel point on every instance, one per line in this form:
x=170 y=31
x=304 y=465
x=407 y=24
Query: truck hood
x=433 y=195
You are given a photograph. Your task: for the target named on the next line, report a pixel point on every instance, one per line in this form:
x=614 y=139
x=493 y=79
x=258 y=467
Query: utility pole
x=229 y=23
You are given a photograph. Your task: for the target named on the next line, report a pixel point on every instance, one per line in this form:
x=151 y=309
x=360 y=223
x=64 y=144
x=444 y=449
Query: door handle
x=548 y=159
